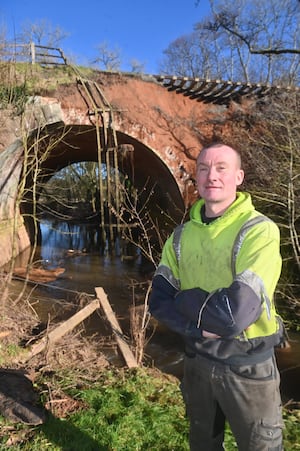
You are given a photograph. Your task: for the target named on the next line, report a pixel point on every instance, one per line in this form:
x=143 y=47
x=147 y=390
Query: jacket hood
x=242 y=203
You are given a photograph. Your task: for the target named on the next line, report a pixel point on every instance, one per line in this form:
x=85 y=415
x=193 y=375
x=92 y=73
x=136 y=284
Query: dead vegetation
x=20 y=329
x=31 y=389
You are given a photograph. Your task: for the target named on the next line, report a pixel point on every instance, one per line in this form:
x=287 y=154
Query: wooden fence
x=33 y=53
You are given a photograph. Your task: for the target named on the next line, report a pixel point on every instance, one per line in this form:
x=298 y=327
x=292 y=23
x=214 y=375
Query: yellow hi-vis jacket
x=221 y=277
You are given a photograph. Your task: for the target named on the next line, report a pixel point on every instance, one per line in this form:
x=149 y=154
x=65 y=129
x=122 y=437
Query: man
x=214 y=286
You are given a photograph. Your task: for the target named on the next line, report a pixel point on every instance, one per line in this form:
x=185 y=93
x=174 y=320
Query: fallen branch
x=62 y=329
x=124 y=348
x=39 y=275
x=72 y=322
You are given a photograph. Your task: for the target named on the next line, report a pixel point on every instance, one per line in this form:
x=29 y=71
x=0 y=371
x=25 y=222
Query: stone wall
x=13 y=235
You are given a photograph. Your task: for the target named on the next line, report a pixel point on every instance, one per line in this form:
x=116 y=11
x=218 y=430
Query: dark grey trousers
x=247 y=396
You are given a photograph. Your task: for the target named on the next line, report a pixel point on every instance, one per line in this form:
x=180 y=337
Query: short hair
x=220 y=144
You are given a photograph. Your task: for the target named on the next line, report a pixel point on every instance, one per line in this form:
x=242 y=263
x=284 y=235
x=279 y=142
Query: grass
x=121 y=411
x=8 y=352
x=19 y=81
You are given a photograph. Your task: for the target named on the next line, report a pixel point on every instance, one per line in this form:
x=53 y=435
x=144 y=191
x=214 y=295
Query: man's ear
x=240 y=177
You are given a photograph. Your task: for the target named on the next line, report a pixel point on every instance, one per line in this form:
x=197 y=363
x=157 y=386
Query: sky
x=141 y=30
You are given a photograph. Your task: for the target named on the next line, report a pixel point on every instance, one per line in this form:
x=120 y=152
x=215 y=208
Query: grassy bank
x=119 y=411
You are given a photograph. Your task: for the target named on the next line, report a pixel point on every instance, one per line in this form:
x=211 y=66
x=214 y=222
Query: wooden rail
x=217 y=91
x=33 y=53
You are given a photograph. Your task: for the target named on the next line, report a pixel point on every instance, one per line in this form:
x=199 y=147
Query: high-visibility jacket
x=221 y=277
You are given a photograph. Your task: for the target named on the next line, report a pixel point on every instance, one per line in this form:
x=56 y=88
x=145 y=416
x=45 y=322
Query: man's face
x=218 y=175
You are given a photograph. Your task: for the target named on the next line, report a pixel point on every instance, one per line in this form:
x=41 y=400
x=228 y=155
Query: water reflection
x=74 y=247
x=72 y=239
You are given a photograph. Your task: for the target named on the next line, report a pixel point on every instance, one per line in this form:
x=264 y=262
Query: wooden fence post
x=32 y=51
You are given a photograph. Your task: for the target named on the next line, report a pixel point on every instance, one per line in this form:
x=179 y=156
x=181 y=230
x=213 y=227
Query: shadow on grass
x=69 y=437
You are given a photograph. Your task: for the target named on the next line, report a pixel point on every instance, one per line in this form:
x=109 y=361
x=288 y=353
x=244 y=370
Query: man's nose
x=212 y=173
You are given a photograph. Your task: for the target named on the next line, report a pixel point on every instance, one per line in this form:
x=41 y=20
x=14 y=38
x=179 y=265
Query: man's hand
x=207 y=334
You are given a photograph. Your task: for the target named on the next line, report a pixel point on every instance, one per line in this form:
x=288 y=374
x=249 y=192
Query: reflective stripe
x=166 y=272
x=177 y=241
x=267 y=302
x=240 y=238
x=203 y=307
x=250 y=278
x=256 y=283
x=237 y=243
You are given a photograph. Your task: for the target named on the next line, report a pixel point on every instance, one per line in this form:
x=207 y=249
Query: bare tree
x=107 y=58
x=269 y=140
x=42 y=33
x=266 y=32
x=137 y=66
x=189 y=55
x=250 y=41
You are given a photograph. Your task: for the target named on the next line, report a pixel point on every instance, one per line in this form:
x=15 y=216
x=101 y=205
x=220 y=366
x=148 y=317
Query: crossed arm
x=195 y=312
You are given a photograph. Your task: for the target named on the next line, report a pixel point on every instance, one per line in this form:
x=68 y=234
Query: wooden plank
x=62 y=329
x=124 y=348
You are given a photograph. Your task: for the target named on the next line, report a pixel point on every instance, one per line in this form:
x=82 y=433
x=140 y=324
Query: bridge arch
x=76 y=143
x=164 y=129
x=63 y=145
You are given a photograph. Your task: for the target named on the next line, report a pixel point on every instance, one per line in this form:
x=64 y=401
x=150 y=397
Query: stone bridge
x=161 y=122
